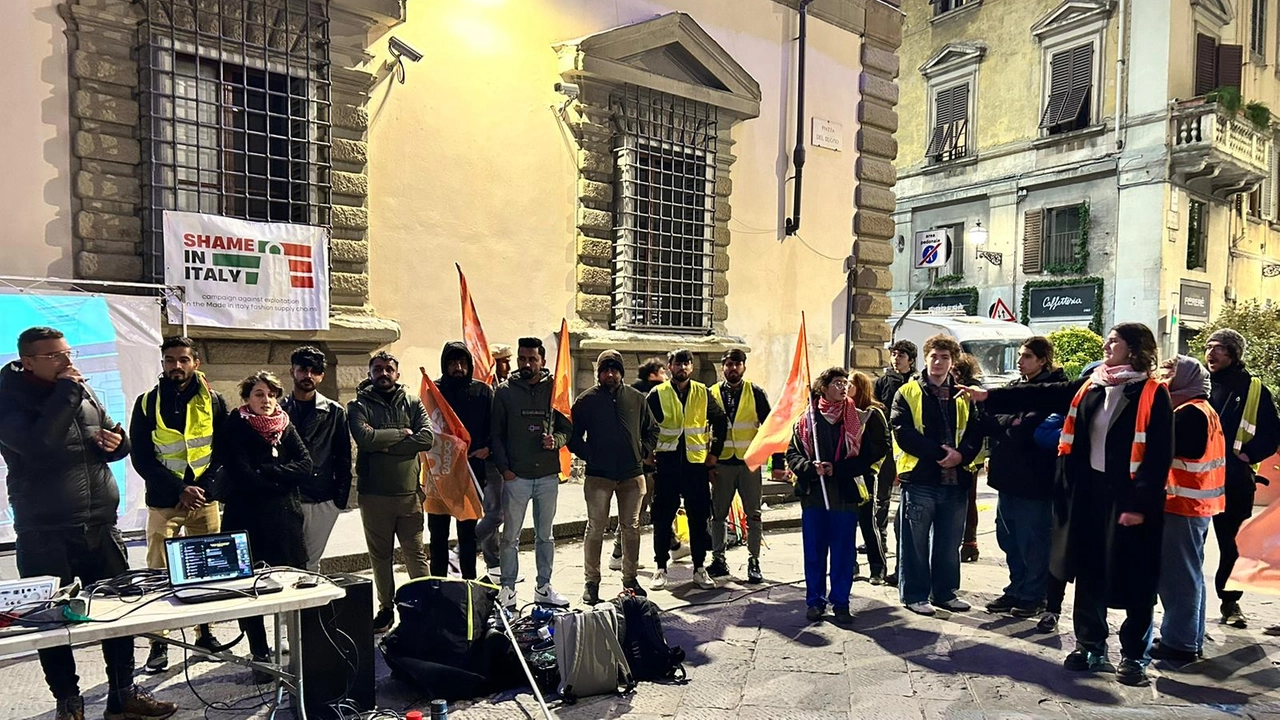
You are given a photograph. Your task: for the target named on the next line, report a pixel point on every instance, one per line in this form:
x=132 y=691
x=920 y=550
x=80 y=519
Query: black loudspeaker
x=337 y=642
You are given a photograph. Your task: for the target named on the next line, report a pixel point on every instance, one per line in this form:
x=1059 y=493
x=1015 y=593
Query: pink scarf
x=845 y=414
x=270 y=427
x=1112 y=375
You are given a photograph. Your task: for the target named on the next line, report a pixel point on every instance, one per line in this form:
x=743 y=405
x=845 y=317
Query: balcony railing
x=1219 y=151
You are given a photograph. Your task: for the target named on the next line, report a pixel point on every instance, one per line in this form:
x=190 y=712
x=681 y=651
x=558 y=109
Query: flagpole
x=817 y=456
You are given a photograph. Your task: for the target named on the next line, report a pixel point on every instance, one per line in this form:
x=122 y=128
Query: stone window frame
x=1072 y=24
x=953 y=65
x=606 y=63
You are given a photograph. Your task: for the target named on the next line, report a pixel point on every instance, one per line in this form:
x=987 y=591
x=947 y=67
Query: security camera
x=400 y=48
x=569 y=90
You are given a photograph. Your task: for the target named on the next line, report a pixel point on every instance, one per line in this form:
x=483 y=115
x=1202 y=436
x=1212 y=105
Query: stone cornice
x=851 y=15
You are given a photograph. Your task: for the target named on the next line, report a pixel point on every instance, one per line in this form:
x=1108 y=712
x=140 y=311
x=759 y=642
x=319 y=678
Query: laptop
x=204 y=568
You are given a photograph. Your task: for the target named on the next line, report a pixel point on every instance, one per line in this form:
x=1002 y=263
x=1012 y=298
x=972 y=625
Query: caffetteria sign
x=1067 y=301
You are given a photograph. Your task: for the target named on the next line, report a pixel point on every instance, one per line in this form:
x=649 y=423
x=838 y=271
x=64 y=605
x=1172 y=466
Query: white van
x=995 y=343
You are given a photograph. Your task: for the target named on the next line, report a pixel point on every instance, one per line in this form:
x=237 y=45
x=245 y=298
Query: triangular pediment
x=1072 y=14
x=1219 y=11
x=953 y=55
x=672 y=51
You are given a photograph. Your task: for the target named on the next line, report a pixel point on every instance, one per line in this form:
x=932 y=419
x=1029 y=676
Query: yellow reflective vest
x=688 y=420
x=914 y=395
x=1249 y=420
x=744 y=423
x=194 y=445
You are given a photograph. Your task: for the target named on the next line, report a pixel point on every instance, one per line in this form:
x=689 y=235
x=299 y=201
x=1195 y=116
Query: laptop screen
x=206 y=558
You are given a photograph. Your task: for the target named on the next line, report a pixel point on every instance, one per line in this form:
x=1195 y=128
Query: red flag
x=450 y=486
x=774 y=434
x=560 y=392
x=473 y=334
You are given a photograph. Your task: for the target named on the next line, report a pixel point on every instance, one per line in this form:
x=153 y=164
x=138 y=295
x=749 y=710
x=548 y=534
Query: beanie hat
x=1233 y=341
x=607 y=359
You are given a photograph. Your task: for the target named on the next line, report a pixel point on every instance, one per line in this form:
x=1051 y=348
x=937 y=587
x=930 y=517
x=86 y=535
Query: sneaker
x=681 y=551
x=615 y=562
x=876 y=580
x=547 y=595
x=702 y=579
x=262 y=677
x=1048 y=622
x=954 y=605
x=843 y=616
x=1002 y=604
x=1027 y=610
x=1132 y=673
x=753 y=571
x=507 y=598
x=1233 y=616
x=208 y=643
x=891 y=579
x=382 y=621
x=633 y=585
x=1083 y=661
x=718 y=569
x=969 y=552
x=1160 y=651
x=71 y=708
x=493 y=575
x=922 y=608
x=158 y=659
x=1272 y=630
x=138 y=704
x=814 y=613
x=591 y=594
x=659 y=579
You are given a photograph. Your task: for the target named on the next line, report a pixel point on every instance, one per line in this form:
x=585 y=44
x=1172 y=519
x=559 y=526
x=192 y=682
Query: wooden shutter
x=1230 y=64
x=1059 y=88
x=1206 y=63
x=1033 y=241
x=959 y=120
x=951 y=112
x=1081 y=83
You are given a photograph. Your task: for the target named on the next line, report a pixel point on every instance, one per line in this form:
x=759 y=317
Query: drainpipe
x=793 y=223
x=1122 y=70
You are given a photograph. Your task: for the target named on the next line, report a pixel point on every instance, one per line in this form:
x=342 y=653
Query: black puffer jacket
x=1017 y=465
x=57 y=475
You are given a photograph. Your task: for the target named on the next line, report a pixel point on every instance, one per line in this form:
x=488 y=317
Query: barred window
x=1063 y=235
x=235 y=106
x=664 y=212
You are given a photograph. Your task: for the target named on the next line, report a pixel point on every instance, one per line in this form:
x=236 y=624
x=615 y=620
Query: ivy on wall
x=1095 y=324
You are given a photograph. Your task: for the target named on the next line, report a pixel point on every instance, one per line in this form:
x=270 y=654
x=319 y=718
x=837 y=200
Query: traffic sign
x=1001 y=311
x=933 y=248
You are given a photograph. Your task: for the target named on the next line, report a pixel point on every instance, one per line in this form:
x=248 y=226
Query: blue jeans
x=933 y=519
x=516 y=495
x=1023 y=530
x=828 y=532
x=1182 y=591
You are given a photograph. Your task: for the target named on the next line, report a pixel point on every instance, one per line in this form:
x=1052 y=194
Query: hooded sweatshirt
x=471 y=400
x=521 y=415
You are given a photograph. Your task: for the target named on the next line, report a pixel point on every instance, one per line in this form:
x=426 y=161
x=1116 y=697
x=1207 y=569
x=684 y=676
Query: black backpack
x=443 y=644
x=646 y=648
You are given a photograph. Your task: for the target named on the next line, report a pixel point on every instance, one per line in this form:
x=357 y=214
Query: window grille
x=235 y=112
x=1063 y=236
x=1258 y=29
x=1197 y=238
x=664 y=212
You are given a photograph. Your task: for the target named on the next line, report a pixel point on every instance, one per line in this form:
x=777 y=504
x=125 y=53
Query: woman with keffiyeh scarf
x=833 y=446
x=1108 y=510
x=263 y=459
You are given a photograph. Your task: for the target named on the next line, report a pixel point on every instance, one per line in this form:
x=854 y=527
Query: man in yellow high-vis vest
x=691 y=432
x=172 y=430
x=1252 y=432
x=746 y=406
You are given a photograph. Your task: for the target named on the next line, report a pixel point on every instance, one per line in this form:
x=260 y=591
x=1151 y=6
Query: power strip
x=15 y=593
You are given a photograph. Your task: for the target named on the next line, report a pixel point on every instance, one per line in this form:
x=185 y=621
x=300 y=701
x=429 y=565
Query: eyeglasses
x=840 y=384
x=67 y=355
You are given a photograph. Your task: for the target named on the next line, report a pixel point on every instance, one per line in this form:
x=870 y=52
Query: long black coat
x=261 y=490
x=1089 y=544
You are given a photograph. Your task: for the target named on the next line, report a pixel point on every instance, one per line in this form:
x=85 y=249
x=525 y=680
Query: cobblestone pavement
x=754 y=656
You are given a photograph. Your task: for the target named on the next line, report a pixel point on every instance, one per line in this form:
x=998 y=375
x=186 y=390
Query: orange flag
x=450 y=486
x=1258 y=567
x=473 y=335
x=775 y=434
x=560 y=392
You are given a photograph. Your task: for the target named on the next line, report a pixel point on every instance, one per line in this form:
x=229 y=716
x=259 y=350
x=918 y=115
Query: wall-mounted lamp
x=401 y=51
x=902 y=243
x=979 y=235
x=1272 y=270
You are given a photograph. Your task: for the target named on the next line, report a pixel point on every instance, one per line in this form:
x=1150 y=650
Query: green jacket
x=387 y=458
x=521 y=414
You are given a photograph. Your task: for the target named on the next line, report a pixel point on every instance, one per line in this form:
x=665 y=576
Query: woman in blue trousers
x=833 y=446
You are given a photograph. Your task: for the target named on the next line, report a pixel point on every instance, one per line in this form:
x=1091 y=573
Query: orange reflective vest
x=1139 y=449
x=1197 y=487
